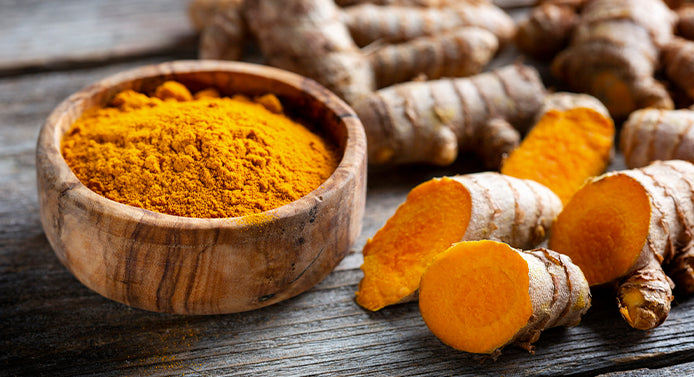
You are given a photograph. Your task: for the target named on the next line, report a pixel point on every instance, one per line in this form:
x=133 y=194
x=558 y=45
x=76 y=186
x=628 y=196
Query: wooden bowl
x=188 y=265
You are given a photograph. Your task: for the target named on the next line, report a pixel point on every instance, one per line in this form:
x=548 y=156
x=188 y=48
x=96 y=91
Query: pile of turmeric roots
x=415 y=73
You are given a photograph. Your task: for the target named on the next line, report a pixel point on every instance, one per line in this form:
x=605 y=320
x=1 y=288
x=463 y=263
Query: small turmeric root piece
x=408 y=3
x=221 y=26
x=309 y=38
x=442 y=211
x=685 y=23
x=432 y=121
x=621 y=227
x=479 y=296
x=369 y=23
x=678 y=56
x=546 y=30
x=651 y=134
x=563 y=150
x=461 y=52
x=614 y=52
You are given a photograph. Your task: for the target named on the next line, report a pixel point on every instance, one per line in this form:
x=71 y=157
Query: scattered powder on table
x=197 y=156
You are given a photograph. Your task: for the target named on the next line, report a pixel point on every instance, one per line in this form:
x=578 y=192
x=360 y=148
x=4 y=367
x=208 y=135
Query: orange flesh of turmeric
x=604 y=227
x=475 y=296
x=434 y=216
x=563 y=150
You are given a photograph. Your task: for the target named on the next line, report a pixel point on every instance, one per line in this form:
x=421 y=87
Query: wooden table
x=50 y=324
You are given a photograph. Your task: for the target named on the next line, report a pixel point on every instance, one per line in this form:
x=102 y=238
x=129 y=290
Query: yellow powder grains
x=204 y=157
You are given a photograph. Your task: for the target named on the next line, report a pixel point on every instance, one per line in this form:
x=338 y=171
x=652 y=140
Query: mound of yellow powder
x=207 y=157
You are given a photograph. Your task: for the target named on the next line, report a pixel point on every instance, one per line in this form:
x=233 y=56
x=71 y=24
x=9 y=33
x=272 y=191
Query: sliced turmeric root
x=479 y=296
x=445 y=210
x=563 y=150
x=623 y=225
x=604 y=227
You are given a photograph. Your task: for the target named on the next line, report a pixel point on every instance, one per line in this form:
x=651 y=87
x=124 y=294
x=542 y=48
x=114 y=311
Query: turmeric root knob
x=478 y=296
x=443 y=211
x=432 y=121
x=623 y=225
x=613 y=53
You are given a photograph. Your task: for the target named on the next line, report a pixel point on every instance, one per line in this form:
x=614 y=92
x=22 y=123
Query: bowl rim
x=353 y=156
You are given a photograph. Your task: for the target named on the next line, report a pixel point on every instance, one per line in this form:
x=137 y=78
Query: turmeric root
x=562 y=101
x=308 y=37
x=479 y=296
x=651 y=134
x=621 y=227
x=614 y=53
x=546 y=30
x=461 y=52
x=432 y=121
x=223 y=30
x=678 y=56
x=685 y=23
x=368 y=23
x=563 y=150
x=443 y=211
x=407 y=3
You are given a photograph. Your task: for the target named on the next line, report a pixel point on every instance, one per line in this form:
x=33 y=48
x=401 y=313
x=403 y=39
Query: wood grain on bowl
x=186 y=265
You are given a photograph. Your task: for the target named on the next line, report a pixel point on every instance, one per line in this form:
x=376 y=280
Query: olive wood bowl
x=186 y=265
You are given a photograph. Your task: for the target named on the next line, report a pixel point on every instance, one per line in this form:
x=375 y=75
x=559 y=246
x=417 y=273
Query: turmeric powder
x=207 y=157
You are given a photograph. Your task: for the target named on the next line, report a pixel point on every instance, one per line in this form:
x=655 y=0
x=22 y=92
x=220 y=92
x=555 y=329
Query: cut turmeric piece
x=442 y=211
x=478 y=296
x=622 y=226
x=610 y=217
x=563 y=150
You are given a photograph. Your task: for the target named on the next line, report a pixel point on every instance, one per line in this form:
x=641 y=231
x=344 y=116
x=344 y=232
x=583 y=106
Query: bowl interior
x=303 y=100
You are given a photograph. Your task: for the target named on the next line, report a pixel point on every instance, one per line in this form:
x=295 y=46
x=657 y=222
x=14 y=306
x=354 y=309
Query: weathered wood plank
x=686 y=369
x=41 y=35
x=63 y=34
x=52 y=325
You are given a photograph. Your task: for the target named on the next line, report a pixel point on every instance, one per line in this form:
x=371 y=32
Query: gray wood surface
x=51 y=325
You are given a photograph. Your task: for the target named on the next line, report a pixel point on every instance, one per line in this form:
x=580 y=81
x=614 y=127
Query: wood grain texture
x=204 y=266
x=67 y=33
x=52 y=325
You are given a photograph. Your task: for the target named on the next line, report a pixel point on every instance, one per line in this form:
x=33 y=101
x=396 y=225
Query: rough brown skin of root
x=563 y=101
x=685 y=23
x=309 y=38
x=678 y=56
x=621 y=227
x=458 y=53
x=479 y=296
x=614 y=53
x=432 y=121
x=409 y=3
x=546 y=30
x=651 y=134
x=563 y=150
x=223 y=30
x=369 y=23
x=445 y=210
